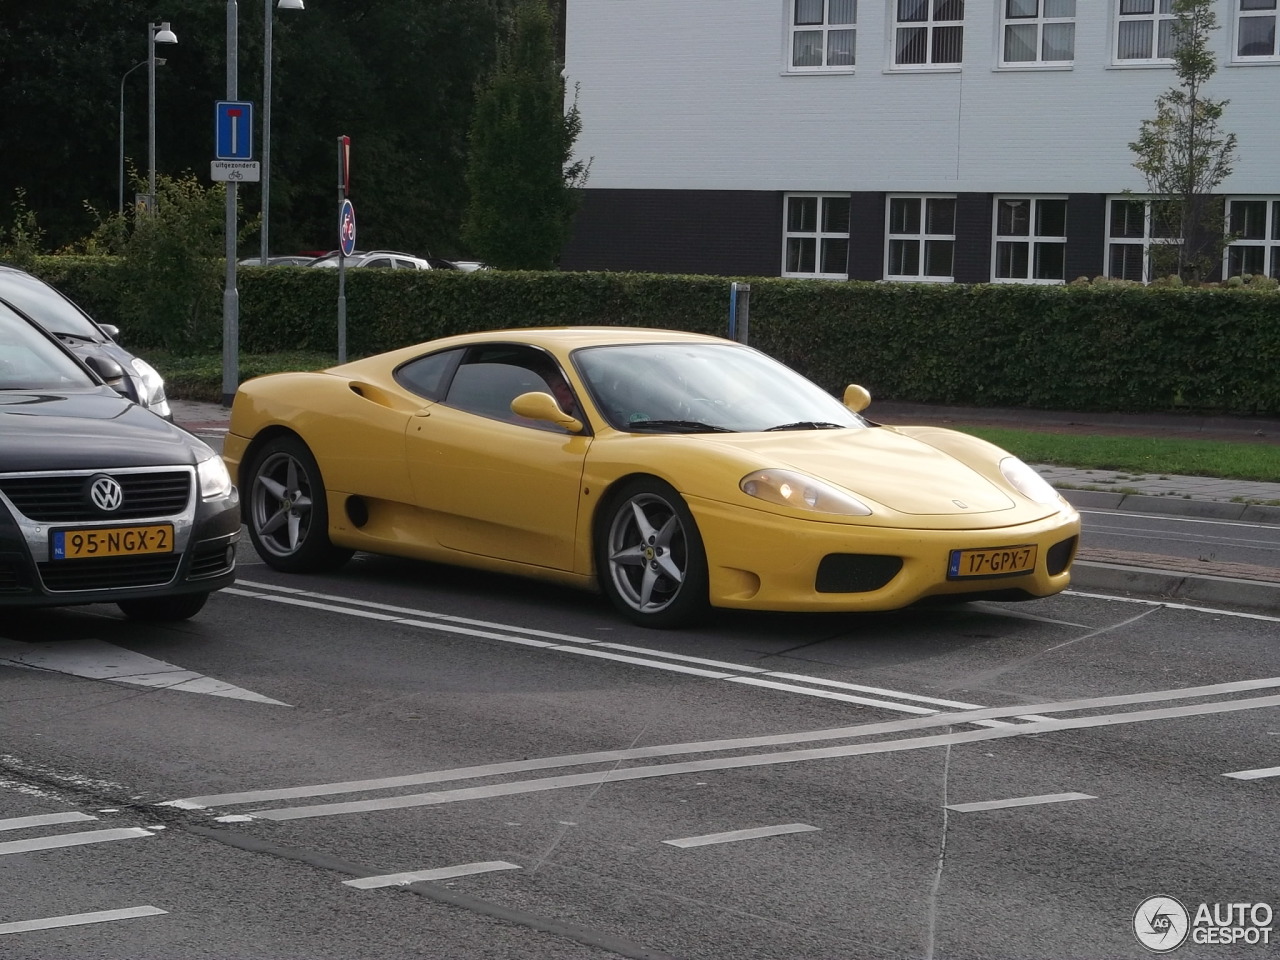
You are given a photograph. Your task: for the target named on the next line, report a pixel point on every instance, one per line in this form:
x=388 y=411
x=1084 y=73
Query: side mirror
x=111 y=330
x=109 y=371
x=543 y=406
x=856 y=398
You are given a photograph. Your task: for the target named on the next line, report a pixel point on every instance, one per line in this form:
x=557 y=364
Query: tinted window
x=46 y=305
x=30 y=361
x=489 y=378
x=427 y=376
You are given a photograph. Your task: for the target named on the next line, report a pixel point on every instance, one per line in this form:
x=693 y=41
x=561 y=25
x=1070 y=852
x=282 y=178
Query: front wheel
x=288 y=513
x=650 y=558
x=184 y=606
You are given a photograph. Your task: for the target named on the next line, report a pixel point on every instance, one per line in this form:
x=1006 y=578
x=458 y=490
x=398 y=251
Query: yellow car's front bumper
x=764 y=561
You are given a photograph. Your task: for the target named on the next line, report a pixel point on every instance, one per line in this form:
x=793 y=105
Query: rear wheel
x=288 y=513
x=160 y=609
x=650 y=558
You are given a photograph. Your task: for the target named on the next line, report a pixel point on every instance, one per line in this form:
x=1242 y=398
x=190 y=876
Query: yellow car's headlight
x=1027 y=482
x=791 y=489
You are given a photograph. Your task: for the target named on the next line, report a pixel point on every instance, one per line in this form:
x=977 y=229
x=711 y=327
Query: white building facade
x=922 y=140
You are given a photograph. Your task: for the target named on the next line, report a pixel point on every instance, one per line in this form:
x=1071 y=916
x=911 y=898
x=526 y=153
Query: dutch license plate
x=992 y=562
x=112 y=541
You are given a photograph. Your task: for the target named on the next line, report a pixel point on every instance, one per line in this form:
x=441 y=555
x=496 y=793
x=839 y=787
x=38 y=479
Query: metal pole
x=741 y=310
x=151 y=115
x=342 y=260
x=230 y=295
x=266 y=127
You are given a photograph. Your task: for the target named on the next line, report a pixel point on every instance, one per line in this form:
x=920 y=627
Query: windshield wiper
x=678 y=426
x=75 y=336
x=807 y=425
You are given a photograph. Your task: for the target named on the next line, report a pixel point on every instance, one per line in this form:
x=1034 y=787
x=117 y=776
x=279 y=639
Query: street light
x=156 y=33
x=266 y=114
x=141 y=63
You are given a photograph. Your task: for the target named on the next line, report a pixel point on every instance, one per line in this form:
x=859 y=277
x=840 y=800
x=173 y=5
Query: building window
x=1255 y=29
x=1144 y=30
x=928 y=32
x=1030 y=240
x=1253 y=224
x=1038 y=31
x=922 y=238
x=822 y=34
x=816 y=243
x=1132 y=230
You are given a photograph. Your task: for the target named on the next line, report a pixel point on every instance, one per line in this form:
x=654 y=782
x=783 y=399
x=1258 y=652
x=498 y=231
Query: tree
x=524 y=183
x=1183 y=152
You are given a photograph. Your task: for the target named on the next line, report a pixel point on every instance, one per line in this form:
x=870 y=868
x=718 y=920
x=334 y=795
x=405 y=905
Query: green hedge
x=1078 y=347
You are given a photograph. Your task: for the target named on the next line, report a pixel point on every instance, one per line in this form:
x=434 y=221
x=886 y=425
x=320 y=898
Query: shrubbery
x=1083 y=346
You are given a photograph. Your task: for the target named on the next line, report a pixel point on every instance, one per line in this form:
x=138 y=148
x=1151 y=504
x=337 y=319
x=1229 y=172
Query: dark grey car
x=60 y=316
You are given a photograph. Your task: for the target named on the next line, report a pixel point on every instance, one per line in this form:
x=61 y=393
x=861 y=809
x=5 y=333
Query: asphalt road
x=1192 y=538
x=402 y=760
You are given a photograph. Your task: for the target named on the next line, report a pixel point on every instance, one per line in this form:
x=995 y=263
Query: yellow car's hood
x=882 y=466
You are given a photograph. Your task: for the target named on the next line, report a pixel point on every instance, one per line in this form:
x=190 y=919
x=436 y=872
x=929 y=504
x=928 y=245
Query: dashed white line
x=442 y=873
x=80 y=919
x=72 y=840
x=1018 y=802
x=43 y=820
x=733 y=836
x=1254 y=774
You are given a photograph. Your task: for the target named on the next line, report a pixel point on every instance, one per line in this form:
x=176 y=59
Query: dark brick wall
x=973 y=238
x=866 y=236
x=1086 y=235
x=716 y=232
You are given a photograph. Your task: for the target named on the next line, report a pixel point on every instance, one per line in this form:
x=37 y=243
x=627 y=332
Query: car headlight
x=1027 y=482
x=153 y=397
x=791 y=489
x=215 y=480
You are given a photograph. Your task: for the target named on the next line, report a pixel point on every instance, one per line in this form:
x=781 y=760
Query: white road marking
x=72 y=840
x=1018 y=802
x=1254 y=774
x=582 y=646
x=885 y=727
x=1173 y=606
x=99 y=660
x=616 y=775
x=44 y=820
x=79 y=919
x=443 y=873
x=735 y=835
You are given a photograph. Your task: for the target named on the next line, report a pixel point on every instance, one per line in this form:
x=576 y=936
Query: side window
x=427 y=376
x=382 y=262
x=490 y=377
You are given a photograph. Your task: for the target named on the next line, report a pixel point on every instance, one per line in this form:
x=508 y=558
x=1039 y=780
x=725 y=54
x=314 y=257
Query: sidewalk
x=1148 y=575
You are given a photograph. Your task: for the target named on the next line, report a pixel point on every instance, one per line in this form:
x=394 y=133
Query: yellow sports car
x=671 y=470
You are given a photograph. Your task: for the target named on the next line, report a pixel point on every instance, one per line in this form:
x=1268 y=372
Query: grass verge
x=199 y=377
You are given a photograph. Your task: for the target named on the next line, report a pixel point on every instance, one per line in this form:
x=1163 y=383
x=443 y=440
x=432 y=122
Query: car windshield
x=30 y=361
x=704 y=387
x=46 y=306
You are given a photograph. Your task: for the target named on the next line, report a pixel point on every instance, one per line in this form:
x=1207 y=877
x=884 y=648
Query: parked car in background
x=31 y=296
x=290 y=260
x=102 y=501
x=383 y=259
x=470 y=266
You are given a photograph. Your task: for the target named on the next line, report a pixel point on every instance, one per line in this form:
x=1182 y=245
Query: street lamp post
x=266 y=116
x=156 y=33
x=140 y=63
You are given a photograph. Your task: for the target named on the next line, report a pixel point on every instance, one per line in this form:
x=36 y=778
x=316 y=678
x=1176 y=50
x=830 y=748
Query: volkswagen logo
x=106 y=494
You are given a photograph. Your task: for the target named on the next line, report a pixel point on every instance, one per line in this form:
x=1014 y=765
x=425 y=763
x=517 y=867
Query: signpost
x=346 y=239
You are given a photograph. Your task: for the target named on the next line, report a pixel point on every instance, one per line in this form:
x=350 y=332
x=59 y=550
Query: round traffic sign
x=347 y=228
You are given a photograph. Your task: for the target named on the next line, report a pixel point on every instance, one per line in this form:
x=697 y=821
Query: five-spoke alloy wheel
x=650 y=558
x=288 y=515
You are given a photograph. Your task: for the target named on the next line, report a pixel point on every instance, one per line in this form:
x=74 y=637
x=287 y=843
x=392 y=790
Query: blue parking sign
x=233 y=130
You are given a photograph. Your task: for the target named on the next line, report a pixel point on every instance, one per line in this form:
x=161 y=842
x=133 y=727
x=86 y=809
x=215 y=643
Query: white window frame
x=923 y=237
x=1145 y=242
x=819 y=235
x=931 y=24
x=1161 y=13
x=1243 y=15
x=1269 y=241
x=825 y=28
x=1031 y=238
x=1045 y=15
